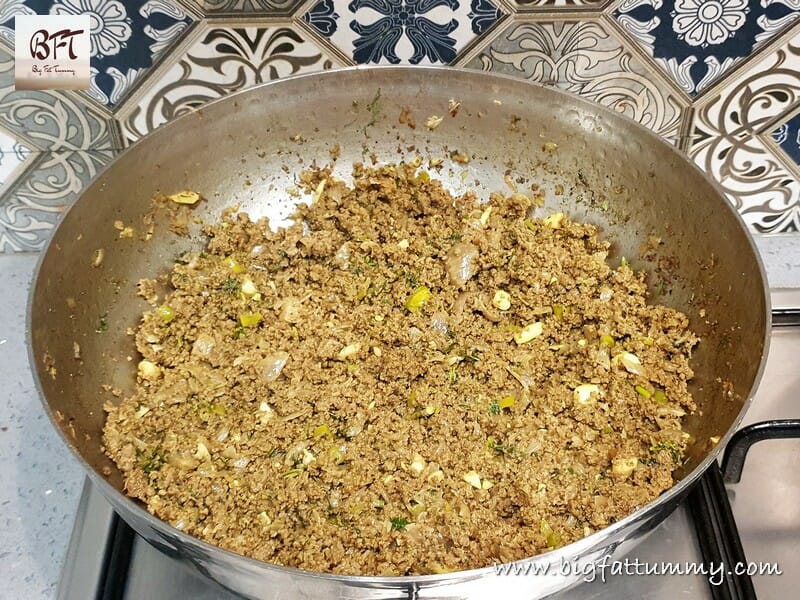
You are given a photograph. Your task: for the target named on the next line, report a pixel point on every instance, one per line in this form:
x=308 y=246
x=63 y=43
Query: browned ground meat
x=352 y=394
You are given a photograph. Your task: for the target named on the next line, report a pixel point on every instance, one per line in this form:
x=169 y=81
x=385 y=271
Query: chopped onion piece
x=271 y=366
x=630 y=361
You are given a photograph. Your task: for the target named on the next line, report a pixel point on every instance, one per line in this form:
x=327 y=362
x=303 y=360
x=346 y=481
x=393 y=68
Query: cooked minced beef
x=402 y=382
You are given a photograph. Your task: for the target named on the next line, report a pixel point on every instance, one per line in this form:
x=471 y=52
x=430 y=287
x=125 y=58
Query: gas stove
x=745 y=511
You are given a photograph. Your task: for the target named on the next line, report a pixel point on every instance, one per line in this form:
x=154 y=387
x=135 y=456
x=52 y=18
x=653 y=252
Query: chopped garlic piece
x=202 y=452
x=433 y=122
x=99 y=254
x=554 y=221
x=248 y=287
x=473 y=479
x=348 y=351
x=185 y=197
x=377 y=351
x=586 y=393
x=485 y=216
x=624 y=466
x=403 y=244
x=148 y=370
x=529 y=332
x=264 y=518
x=308 y=457
x=549 y=146
x=486 y=484
x=436 y=476
x=502 y=300
x=418 y=464
x=318 y=192
x=142 y=411
x=266 y=412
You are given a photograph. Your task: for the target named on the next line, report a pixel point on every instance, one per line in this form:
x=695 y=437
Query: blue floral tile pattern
x=697 y=41
x=126 y=37
x=483 y=15
x=323 y=17
x=403 y=31
x=787 y=137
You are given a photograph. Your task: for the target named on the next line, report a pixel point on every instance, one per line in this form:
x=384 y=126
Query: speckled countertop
x=41 y=479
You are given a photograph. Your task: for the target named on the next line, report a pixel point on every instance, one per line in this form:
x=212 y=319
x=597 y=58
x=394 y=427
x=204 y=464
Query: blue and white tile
x=787 y=136
x=584 y=58
x=220 y=60
x=126 y=37
x=727 y=139
x=697 y=41
x=13 y=156
x=402 y=31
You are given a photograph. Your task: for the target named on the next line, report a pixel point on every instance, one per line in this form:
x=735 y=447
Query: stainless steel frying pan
x=615 y=174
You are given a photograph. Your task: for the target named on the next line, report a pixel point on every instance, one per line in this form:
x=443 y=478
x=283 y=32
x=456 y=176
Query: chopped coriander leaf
x=231 y=286
x=399 y=523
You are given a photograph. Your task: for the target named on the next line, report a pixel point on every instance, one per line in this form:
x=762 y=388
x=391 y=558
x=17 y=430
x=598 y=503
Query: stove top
x=106 y=560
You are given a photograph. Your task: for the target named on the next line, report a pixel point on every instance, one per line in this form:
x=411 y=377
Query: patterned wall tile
x=250 y=7
x=13 y=155
x=787 y=136
x=126 y=37
x=582 y=57
x=402 y=31
x=54 y=121
x=30 y=207
x=697 y=41
x=724 y=141
x=221 y=60
x=545 y=5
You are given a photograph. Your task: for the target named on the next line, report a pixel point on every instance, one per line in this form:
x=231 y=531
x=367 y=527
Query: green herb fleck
x=231 y=286
x=494 y=408
x=102 y=324
x=452 y=374
x=499 y=447
x=151 y=461
x=374 y=108
x=668 y=446
x=370 y=262
x=399 y=523
x=238 y=332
